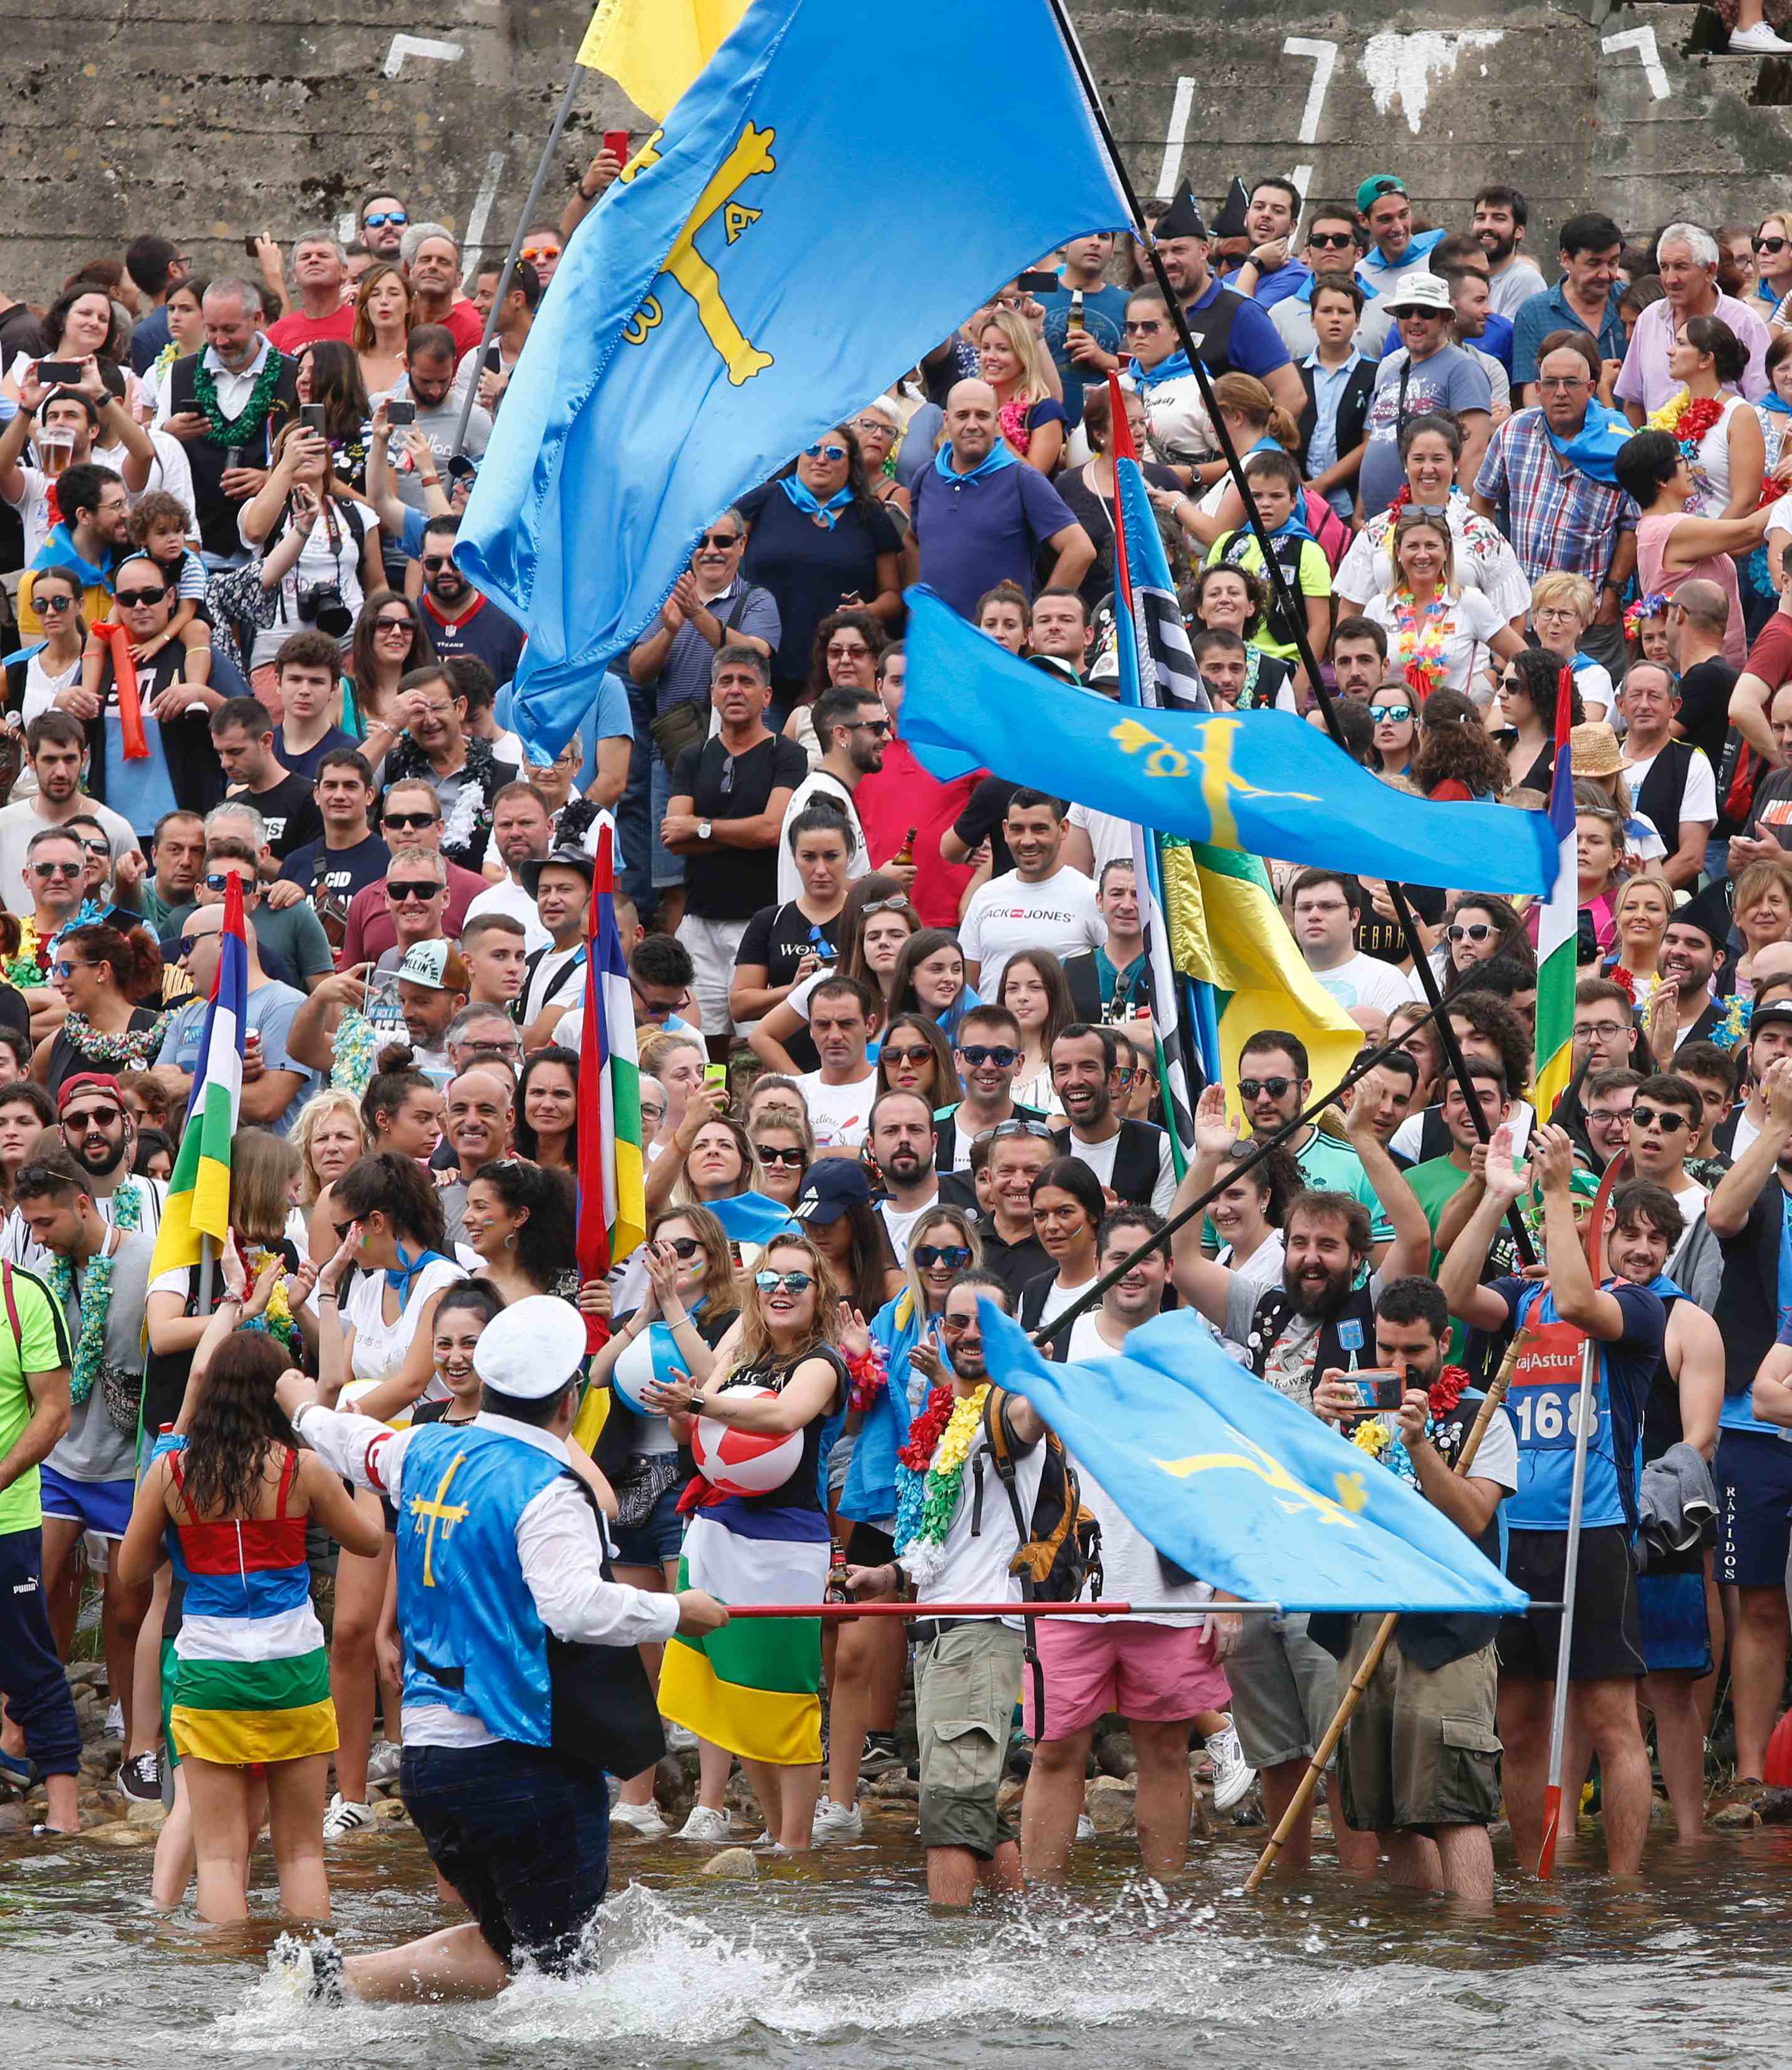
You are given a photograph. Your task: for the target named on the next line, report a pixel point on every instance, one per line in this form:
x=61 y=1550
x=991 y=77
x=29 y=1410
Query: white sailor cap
x=533 y=1348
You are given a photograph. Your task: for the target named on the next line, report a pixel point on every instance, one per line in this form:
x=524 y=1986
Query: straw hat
x=1594 y=748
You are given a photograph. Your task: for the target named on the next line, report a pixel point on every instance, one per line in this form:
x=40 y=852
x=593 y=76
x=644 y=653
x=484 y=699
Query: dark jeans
x=38 y=1700
x=523 y=1836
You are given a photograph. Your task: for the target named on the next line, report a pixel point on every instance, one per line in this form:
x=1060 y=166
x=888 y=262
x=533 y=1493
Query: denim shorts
x=651 y=1544
x=523 y=1836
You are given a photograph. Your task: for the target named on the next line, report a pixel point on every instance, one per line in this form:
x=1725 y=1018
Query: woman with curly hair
x=522 y=1220
x=1478 y=928
x=1224 y=599
x=1455 y=759
x=98 y=972
x=1524 y=722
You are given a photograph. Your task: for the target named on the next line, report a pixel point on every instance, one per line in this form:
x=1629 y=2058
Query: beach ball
x=744 y=1462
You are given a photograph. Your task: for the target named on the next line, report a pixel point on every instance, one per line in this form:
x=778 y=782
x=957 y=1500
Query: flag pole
x=1372 y=1660
x=1295 y=619
x=849 y=1610
x=523 y=221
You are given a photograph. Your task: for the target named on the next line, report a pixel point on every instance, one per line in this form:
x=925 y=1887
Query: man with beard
x=1274 y=1085
x=1428 y=1793
x=480 y=1104
x=1132 y=1159
x=901 y=1139
x=853 y=729
x=276 y=1083
x=98 y=1132
x=1514 y=277
x=1319 y=1318
x=1681 y=1008
x=435 y=745
x=522 y=833
x=555 y=982
x=460 y=619
x=1566 y=1320
x=1163 y=1677
x=56 y=746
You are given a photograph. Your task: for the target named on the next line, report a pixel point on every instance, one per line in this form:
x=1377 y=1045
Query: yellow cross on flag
x=653 y=49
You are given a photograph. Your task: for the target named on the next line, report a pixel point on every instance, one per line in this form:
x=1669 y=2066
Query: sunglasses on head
x=1001 y=1054
x=928 y=1255
x=417 y=890
x=917 y=1055
x=130 y=597
x=1669 y=1122
x=792 y=1283
x=1036 y=1129
x=1384 y=714
x=94 y=1117
x=886 y=905
x=1251 y=1089
x=723 y=540
x=403 y=821
x=792 y=1161
x=824 y=453
x=1474 y=931
x=380 y=221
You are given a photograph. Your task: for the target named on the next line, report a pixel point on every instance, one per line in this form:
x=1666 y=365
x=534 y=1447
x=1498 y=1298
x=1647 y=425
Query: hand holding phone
x=400 y=411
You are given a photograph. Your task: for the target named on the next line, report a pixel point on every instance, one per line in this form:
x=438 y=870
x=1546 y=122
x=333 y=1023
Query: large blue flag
x=1238 y=1484
x=1264 y=782
x=770 y=259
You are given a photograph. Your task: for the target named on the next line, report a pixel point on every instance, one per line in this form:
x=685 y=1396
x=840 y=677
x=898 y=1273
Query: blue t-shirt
x=1449 y=380
x=305 y=764
x=1254 y=345
x=974 y=534
x=1104 y=314
x=269 y=1013
x=809 y=568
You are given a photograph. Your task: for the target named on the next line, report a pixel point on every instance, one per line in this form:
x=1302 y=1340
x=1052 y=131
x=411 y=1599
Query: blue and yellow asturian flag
x=1238 y=1484
x=1263 y=781
x=770 y=260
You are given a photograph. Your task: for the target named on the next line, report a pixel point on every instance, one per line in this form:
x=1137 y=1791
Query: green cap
x=1376 y=184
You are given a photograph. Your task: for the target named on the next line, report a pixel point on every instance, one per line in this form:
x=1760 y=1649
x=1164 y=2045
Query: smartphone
x=1039 y=281
x=233 y=456
x=1377 y=1391
x=615 y=142
x=494 y=359
x=51 y=372
x=249 y=246
x=398 y=414
x=715 y=1075
x=311 y=416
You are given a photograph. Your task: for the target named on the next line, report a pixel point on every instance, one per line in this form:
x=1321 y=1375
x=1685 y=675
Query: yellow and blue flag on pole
x=1264 y=782
x=726 y=302
x=653 y=49
x=1239 y=1485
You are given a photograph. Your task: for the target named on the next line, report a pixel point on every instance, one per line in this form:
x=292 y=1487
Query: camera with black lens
x=321 y=604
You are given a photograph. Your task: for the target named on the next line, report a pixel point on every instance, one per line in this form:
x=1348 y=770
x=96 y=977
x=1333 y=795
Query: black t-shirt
x=985 y=811
x=1704 y=712
x=291 y=813
x=303 y=762
x=345 y=870
x=723 y=883
x=779 y=937
x=14 y=1012
x=1013 y=1264
x=1382 y=938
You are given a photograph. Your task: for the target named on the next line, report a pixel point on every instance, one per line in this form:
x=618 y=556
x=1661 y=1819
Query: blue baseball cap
x=829 y=1187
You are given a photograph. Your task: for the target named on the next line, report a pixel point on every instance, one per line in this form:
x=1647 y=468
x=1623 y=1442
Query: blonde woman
x=1436 y=628
x=328 y=1136
x=678 y=1062
x=783 y=1145
x=1763 y=908
x=1562 y=607
x=1640 y=914
x=779 y=1374
x=1013 y=361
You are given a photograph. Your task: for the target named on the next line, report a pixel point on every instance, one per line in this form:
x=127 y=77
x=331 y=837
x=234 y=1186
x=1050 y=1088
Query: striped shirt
x=1562 y=520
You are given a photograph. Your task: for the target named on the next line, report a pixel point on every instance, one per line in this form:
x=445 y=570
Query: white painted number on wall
x=1180 y=110
x=1643 y=42
x=1325 y=56
x=418 y=46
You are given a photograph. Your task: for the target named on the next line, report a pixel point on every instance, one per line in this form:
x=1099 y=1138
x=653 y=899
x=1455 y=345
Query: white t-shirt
x=1110 y=837
x=541 y=988
x=1008 y=914
x=1698 y=800
x=507 y=896
x=381 y=1346
x=1470 y=621
x=1363 y=980
x=899 y=1221
x=1060 y=1297
x=34 y=511
x=1100 y=1159
x=817 y=783
x=21 y=819
x=973 y=1567
x=839 y=1115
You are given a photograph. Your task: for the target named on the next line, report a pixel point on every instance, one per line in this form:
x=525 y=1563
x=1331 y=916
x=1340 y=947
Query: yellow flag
x=653 y=49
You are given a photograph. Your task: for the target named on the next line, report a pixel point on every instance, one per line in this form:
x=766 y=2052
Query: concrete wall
x=184 y=116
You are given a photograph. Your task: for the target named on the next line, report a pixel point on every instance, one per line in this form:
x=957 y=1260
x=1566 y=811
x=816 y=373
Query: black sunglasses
x=342 y=1229
x=1769 y=244
x=1330 y=240
x=928 y=1255
x=432 y=562
x=1664 y=1118
x=793 y=1160
x=403 y=821
x=682 y=1247
x=1001 y=1054
x=130 y=597
x=94 y=1117
x=724 y=540
x=1250 y=1089
x=401 y=894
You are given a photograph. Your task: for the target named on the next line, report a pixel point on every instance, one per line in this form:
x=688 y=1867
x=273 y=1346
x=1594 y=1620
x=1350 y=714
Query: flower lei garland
x=1380 y=1441
x=472 y=810
x=869 y=1377
x=276 y=1320
x=1651 y=606
x=930 y=1468
x=29 y=966
x=352 y=1051
x=90 y=1346
x=1688 y=422
x=1423 y=663
x=133 y=1050
x=238 y=430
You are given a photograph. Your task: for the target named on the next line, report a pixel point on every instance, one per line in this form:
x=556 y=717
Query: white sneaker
x=643 y=1820
x=114 y=1722
x=1085 y=1827
x=714 y=1829
x=1760 y=41
x=343 y=1818
x=1233 y=1774
x=837 y=1822
x=383 y=1765
x=680 y=1739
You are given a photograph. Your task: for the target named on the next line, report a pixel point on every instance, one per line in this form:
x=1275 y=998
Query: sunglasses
x=824 y=453
x=683 y=1247
x=792 y=1283
x=57 y=869
x=403 y=821
x=65 y=969
x=879 y=726
x=1252 y=1089
x=130 y=598
x=53 y=603
x=1383 y=715
x=342 y=1229
x=403 y=894
x=95 y=847
x=532 y=252
x=93 y=1117
x=1036 y=1129
x=1476 y=930
x=1330 y=240
x=886 y=905
x=1664 y=1118
x=432 y=562
x=977 y=1054
x=380 y=221
x=1769 y=245
x=1147 y=324
x=792 y=1161
x=188 y=942
x=918 y=1055
x=928 y=1255
x=217 y=879
x=848 y=650
x=723 y=540
x=394 y=625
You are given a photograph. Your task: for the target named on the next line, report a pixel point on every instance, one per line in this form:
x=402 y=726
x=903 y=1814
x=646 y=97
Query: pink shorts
x=1148 y=1671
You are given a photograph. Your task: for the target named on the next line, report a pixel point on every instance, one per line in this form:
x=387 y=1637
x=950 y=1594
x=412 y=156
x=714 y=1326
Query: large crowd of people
x=897 y=1064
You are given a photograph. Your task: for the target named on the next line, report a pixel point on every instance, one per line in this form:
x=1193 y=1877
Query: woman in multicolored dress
x=228 y=1509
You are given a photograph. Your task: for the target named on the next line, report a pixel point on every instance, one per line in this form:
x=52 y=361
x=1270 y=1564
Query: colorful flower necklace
x=276 y=1320
x=930 y=1470
x=240 y=430
x=1688 y=422
x=133 y=1049
x=28 y=967
x=1420 y=635
x=90 y=1346
x=1379 y=1437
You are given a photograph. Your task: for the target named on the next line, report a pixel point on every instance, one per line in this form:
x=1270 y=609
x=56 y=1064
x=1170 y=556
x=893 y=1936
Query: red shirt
x=467 y=325
x=900 y=795
x=369 y=933
x=298 y=330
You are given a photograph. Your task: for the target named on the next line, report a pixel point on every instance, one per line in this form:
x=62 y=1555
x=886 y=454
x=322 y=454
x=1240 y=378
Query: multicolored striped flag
x=1558 y=927
x=653 y=49
x=612 y=1205
x=199 y=1191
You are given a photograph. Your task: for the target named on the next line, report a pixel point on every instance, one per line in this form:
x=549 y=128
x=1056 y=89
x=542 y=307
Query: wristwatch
x=703 y=829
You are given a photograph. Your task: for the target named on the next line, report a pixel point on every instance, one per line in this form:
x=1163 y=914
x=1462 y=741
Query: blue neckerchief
x=804 y=499
x=1001 y=456
x=58 y=550
x=1171 y=369
x=1293 y=526
x=1773 y=400
x=1579 y=664
x=398 y=1278
x=1594 y=447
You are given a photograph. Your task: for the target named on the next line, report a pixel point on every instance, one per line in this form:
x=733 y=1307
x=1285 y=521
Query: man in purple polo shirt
x=981 y=515
x=1686 y=258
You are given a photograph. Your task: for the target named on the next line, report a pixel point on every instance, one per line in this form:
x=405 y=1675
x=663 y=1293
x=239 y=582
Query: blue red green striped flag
x=1558 y=926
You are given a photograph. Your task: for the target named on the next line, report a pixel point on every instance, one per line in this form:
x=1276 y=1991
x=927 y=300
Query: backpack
x=1060 y=1547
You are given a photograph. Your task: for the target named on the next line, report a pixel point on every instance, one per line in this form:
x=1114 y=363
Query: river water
x=837 y=1960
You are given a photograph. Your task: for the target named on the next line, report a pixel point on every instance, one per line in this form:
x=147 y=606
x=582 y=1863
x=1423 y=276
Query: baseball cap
x=436 y=964
x=88 y=1081
x=1376 y=184
x=829 y=1187
x=1418 y=291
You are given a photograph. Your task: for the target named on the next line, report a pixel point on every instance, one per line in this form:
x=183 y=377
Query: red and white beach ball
x=744 y=1462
